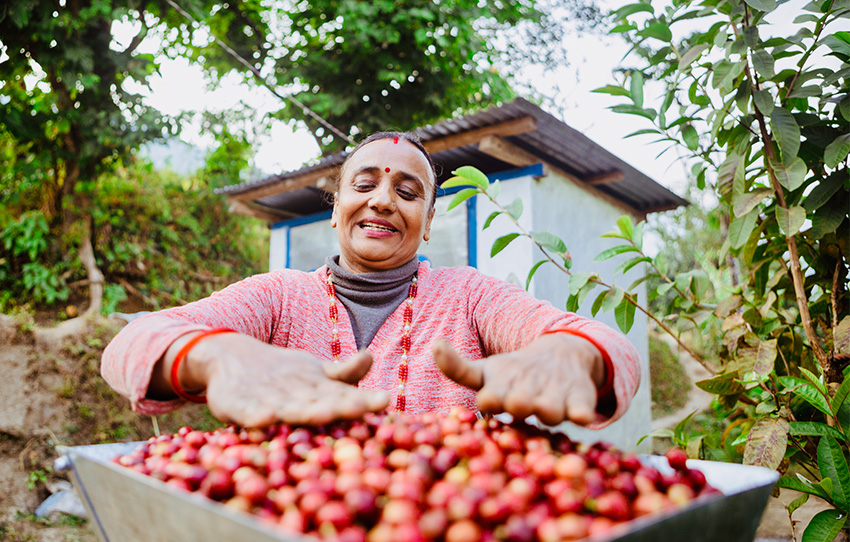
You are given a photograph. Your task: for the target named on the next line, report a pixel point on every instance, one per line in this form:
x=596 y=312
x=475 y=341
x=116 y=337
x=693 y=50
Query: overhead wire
x=307 y=111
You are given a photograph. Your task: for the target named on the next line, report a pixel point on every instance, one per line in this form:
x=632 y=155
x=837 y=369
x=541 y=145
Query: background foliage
x=764 y=120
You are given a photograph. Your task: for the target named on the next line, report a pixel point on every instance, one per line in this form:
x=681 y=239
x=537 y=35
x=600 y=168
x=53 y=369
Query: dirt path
x=697 y=399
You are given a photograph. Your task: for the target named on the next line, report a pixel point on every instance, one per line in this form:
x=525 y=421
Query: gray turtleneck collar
x=370 y=298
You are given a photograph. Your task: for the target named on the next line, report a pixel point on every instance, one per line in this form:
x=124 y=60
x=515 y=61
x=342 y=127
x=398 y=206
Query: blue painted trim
x=301 y=220
x=471 y=232
x=287 y=263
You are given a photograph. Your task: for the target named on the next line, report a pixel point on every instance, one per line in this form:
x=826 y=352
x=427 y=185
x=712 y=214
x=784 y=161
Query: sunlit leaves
x=766 y=442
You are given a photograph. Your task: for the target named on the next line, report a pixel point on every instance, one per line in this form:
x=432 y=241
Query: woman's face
x=383 y=208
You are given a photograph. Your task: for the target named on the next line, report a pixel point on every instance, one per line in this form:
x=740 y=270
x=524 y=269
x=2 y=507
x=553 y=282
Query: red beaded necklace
x=336 y=348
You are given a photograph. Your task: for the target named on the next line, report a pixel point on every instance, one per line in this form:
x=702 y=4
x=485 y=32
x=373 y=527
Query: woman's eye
x=407 y=193
x=362 y=186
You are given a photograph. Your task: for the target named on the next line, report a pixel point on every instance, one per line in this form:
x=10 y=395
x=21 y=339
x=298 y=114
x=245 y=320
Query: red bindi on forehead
x=395 y=140
x=387 y=170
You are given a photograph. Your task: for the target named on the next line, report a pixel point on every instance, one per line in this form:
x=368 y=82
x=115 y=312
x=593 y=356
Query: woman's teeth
x=376 y=227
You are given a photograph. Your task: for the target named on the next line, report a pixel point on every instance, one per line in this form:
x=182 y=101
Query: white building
x=569 y=186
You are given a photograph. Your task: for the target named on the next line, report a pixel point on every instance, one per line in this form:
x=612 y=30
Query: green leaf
x=840 y=397
x=766 y=443
x=532 y=272
x=746 y=202
x=824 y=526
x=636 y=88
x=764 y=101
x=611 y=252
x=813 y=380
x=797 y=503
x=494 y=189
x=836 y=152
x=796 y=484
x=813 y=429
x=637 y=236
x=763 y=64
x=807 y=392
x=660 y=263
x=741 y=227
x=631 y=9
x=456 y=181
x=691 y=55
x=722 y=384
x=626 y=227
x=833 y=465
x=625 y=316
x=830 y=216
x=462 y=196
x=628 y=264
x=658 y=30
x=690 y=137
x=474 y=175
x=515 y=209
x=765 y=6
x=500 y=243
x=787 y=133
x=490 y=218
x=844 y=107
x=631 y=109
x=790 y=220
x=613 y=90
x=658 y=433
x=578 y=280
x=612 y=299
x=597 y=303
x=549 y=241
x=822 y=192
x=790 y=177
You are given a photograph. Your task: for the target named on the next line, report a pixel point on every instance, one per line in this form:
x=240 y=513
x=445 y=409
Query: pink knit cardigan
x=479 y=315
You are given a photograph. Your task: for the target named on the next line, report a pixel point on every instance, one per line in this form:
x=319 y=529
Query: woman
x=435 y=337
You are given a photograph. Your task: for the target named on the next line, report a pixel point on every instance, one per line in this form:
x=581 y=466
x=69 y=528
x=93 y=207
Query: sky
x=180 y=87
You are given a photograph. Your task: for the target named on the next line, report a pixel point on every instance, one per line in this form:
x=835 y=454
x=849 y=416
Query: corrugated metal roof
x=552 y=141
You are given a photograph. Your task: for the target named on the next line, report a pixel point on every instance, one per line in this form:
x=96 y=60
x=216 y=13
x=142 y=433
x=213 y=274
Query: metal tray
x=127 y=506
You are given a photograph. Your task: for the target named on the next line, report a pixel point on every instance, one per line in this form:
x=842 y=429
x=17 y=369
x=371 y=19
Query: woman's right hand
x=254 y=384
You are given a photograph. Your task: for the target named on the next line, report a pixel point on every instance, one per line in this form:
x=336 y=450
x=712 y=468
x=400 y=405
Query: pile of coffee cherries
x=405 y=478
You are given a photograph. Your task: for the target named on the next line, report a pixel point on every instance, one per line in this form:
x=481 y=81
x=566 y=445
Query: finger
x=580 y=402
x=351 y=370
x=550 y=406
x=523 y=389
x=456 y=368
x=491 y=397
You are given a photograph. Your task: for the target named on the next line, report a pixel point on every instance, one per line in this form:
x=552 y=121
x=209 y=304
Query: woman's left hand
x=554 y=378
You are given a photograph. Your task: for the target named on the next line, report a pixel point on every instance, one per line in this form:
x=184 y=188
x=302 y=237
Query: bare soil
x=51 y=394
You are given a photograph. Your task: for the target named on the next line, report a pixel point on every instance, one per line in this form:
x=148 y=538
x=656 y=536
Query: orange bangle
x=608 y=386
x=181 y=355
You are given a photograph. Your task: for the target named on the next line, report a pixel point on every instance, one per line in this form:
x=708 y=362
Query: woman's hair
x=410 y=138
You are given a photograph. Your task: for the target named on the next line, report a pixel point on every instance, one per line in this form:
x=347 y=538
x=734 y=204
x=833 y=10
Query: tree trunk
x=77 y=229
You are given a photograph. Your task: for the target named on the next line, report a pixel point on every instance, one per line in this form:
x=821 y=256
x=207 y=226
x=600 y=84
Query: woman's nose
x=382 y=198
